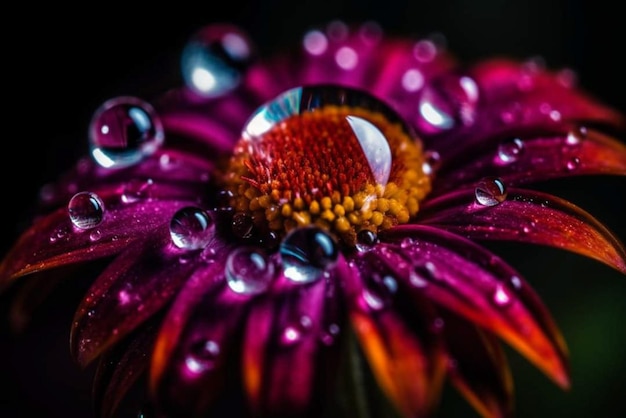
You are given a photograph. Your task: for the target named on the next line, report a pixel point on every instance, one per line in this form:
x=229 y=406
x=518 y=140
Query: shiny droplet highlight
x=248 y=271
x=490 y=191
x=191 y=228
x=306 y=253
x=123 y=131
x=86 y=210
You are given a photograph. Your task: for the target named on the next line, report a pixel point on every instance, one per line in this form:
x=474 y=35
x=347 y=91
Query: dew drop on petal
x=412 y=80
x=576 y=136
x=315 y=42
x=501 y=296
x=306 y=253
x=573 y=163
x=291 y=335
x=490 y=191
x=136 y=189
x=432 y=162
x=201 y=356
x=123 y=131
x=191 y=228
x=365 y=240
x=86 y=210
x=248 y=271
x=214 y=58
x=509 y=151
x=446 y=103
x=516 y=282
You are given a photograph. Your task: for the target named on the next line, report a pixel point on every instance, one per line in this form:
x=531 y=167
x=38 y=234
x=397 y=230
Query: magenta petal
x=291 y=347
x=196 y=343
x=478 y=368
x=469 y=280
x=525 y=160
x=119 y=370
x=527 y=216
x=52 y=241
x=133 y=287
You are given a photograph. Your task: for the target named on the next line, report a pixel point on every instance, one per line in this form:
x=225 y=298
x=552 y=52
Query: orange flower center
x=305 y=159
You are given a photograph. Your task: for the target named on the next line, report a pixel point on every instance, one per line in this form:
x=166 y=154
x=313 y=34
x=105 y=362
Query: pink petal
x=537 y=158
x=475 y=284
x=291 y=347
x=134 y=286
x=527 y=216
x=478 y=368
x=197 y=343
x=52 y=241
x=119 y=370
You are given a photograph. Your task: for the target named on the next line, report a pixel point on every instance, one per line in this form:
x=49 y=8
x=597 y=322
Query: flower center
x=330 y=156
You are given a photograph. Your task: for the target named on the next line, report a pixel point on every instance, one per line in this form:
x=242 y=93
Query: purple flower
x=276 y=225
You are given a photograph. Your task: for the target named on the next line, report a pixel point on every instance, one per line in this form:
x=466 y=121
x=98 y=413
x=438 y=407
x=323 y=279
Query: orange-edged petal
x=197 y=344
x=527 y=216
x=467 y=279
x=291 y=347
x=119 y=370
x=52 y=241
x=134 y=286
x=399 y=337
x=478 y=368
x=537 y=157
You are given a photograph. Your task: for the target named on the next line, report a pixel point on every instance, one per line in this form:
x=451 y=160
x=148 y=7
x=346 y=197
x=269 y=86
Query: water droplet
x=136 y=189
x=490 y=191
x=509 y=151
x=373 y=300
x=214 y=58
x=191 y=228
x=248 y=271
x=516 y=282
x=501 y=296
x=86 y=210
x=202 y=356
x=421 y=274
x=446 y=102
x=346 y=58
x=425 y=50
x=366 y=240
x=330 y=335
x=412 y=80
x=573 y=163
x=306 y=253
x=291 y=335
x=95 y=235
x=576 y=136
x=432 y=162
x=123 y=131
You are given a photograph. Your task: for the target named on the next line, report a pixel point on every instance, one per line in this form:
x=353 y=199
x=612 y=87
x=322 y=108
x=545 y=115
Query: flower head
x=277 y=224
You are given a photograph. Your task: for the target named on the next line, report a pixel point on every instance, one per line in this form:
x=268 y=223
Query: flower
x=276 y=225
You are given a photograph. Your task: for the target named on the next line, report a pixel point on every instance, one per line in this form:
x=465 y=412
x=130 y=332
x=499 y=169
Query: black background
x=61 y=63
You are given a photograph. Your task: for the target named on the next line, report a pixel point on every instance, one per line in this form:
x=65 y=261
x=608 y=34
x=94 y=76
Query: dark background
x=60 y=64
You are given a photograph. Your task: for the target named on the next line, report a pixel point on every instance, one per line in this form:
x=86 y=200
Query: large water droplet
x=446 y=102
x=248 y=271
x=214 y=58
x=86 y=210
x=306 y=253
x=490 y=191
x=202 y=355
x=191 y=228
x=509 y=151
x=123 y=131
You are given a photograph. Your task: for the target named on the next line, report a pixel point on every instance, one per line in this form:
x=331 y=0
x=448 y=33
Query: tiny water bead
x=326 y=155
x=86 y=210
x=191 y=228
x=123 y=131
x=509 y=151
x=447 y=102
x=202 y=355
x=490 y=191
x=306 y=253
x=248 y=271
x=214 y=58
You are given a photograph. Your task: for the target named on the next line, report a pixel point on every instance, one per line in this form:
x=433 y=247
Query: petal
x=398 y=337
x=52 y=241
x=478 y=368
x=133 y=287
x=291 y=348
x=475 y=284
x=515 y=100
x=527 y=216
x=119 y=370
x=536 y=158
x=197 y=343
